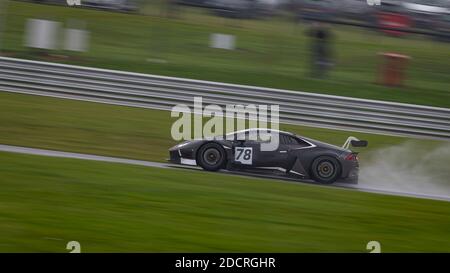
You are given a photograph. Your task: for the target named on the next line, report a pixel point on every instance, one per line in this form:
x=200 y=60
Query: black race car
x=293 y=156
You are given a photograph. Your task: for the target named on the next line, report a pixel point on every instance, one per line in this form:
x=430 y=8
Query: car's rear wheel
x=325 y=169
x=211 y=157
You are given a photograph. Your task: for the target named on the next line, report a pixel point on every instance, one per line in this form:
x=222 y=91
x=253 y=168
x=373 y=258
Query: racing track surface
x=52 y=153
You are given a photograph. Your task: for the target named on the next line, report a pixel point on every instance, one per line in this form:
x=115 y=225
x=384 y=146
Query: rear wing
x=354 y=142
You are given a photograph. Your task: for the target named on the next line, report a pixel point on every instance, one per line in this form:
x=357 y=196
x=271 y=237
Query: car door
x=275 y=156
x=245 y=150
x=281 y=154
x=263 y=157
x=248 y=152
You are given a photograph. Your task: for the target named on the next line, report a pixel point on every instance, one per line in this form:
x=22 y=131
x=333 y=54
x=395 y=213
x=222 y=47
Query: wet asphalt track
x=345 y=186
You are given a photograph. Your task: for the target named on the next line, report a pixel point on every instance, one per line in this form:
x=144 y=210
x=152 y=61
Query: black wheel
x=325 y=169
x=211 y=157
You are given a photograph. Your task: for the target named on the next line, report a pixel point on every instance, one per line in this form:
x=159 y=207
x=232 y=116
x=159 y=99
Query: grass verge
x=46 y=202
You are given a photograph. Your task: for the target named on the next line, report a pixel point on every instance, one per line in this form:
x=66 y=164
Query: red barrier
x=392 y=69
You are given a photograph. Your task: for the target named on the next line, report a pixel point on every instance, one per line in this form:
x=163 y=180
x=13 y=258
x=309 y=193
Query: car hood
x=186 y=144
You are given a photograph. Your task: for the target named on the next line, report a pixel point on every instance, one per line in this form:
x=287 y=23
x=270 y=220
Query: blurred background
x=388 y=50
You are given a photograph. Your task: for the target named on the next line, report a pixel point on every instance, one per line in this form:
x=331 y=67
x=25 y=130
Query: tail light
x=352 y=157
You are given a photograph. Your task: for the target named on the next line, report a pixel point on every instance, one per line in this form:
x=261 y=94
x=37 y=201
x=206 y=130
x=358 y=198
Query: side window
x=265 y=137
x=289 y=140
x=303 y=143
x=259 y=136
x=292 y=140
x=284 y=139
x=238 y=136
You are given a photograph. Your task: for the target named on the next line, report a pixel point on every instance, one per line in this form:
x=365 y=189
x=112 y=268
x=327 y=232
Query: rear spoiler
x=354 y=142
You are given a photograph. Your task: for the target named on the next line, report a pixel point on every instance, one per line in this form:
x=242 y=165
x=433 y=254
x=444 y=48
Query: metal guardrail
x=158 y=92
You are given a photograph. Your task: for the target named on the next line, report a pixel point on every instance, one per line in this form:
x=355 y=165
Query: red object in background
x=392 y=70
x=394 y=20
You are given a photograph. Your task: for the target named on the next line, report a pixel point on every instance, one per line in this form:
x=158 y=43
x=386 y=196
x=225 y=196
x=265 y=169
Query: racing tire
x=211 y=157
x=325 y=169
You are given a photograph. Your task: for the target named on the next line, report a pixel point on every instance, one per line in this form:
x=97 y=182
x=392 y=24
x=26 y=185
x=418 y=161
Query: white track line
x=53 y=153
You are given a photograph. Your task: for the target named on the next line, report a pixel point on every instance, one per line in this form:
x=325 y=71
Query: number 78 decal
x=243 y=155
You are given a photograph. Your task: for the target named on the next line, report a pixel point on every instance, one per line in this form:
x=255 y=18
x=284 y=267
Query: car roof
x=263 y=129
x=311 y=141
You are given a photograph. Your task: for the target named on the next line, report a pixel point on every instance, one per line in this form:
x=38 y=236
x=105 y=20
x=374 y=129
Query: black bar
x=225 y=262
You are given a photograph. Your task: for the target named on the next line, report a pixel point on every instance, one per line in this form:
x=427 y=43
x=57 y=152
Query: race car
x=294 y=156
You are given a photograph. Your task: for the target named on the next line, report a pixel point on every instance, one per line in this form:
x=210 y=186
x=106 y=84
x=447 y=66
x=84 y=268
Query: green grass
x=138 y=133
x=46 y=202
x=272 y=52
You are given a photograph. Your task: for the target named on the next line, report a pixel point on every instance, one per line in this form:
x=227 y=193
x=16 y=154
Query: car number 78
x=243 y=155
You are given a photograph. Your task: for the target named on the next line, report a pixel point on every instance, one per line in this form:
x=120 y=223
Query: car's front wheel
x=325 y=169
x=211 y=157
